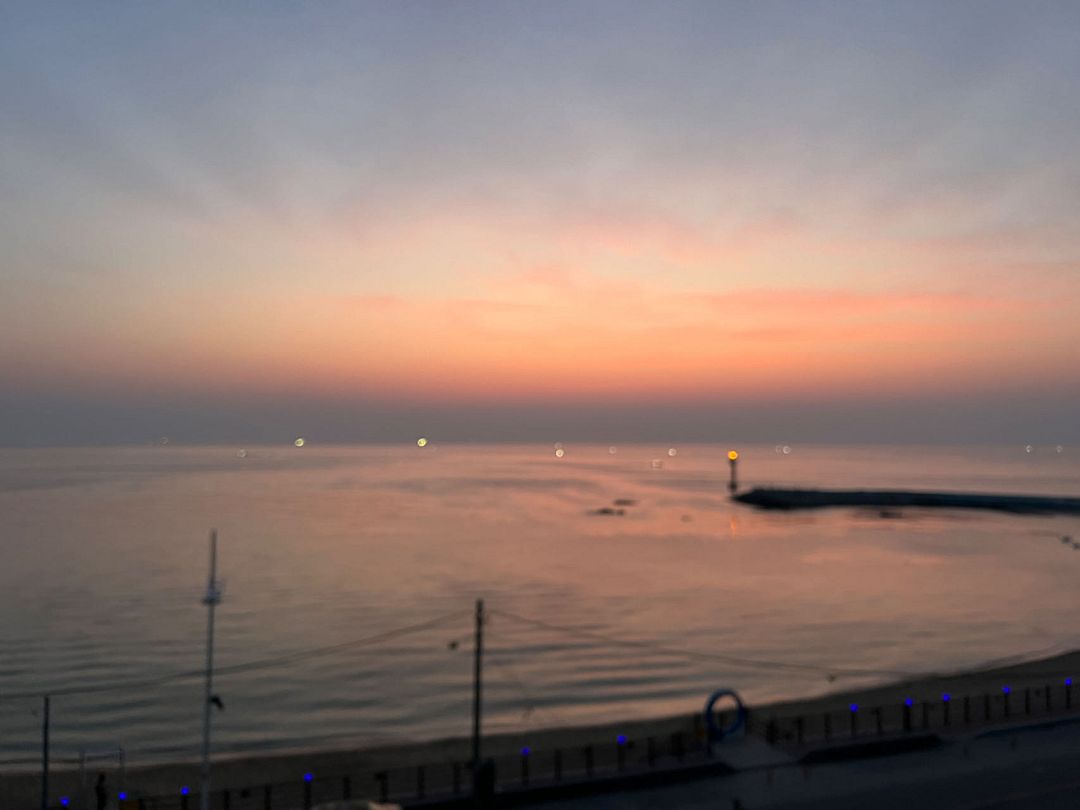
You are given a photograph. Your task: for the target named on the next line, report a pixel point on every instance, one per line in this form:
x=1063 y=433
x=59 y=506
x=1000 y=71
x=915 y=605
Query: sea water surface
x=638 y=614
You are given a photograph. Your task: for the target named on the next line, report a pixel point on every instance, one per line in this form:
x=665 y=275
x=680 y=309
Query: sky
x=769 y=221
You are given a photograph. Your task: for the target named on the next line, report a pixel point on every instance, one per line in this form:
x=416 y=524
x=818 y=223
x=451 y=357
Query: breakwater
x=789 y=499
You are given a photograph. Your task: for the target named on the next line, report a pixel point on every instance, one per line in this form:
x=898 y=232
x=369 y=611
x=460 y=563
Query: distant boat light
x=421 y=442
x=300 y=442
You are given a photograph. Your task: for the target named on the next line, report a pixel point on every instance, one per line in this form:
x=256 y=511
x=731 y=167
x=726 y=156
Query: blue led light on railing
x=65 y=801
x=946 y=697
x=1068 y=681
x=185 y=790
x=1006 y=689
x=525 y=751
x=854 y=707
x=121 y=796
x=621 y=739
x=308 y=777
x=909 y=702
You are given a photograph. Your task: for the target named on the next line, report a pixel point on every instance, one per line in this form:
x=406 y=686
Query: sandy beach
x=984 y=687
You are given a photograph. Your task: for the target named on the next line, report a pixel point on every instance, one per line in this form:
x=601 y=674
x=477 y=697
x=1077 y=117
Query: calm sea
x=105 y=557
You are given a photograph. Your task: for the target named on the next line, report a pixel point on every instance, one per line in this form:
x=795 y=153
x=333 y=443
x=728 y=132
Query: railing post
x=878 y=721
x=346 y=788
x=650 y=751
x=925 y=715
x=456 y=778
x=799 y=729
x=1005 y=699
x=525 y=767
x=986 y=707
x=907 y=714
x=620 y=753
x=268 y=802
x=420 y=781
x=828 y=727
x=383 y=778
x=557 y=765
x=1047 y=698
x=967 y=710
x=588 y=760
x=677 y=746
x=1027 y=700
x=854 y=721
x=945 y=709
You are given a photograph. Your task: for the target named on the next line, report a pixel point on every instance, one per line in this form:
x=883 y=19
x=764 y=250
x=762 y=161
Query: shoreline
x=22 y=788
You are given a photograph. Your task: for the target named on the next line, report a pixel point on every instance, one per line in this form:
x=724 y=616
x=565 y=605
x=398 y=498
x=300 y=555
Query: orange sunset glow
x=539 y=244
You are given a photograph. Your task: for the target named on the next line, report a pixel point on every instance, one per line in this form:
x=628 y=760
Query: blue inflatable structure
x=715 y=730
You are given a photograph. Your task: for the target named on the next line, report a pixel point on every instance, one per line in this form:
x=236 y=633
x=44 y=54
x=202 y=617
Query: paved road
x=1036 y=768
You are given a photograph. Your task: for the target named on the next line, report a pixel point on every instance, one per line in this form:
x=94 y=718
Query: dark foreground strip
x=872 y=749
x=576 y=788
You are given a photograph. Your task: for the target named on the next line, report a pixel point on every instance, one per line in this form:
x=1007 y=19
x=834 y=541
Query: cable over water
x=248 y=666
x=732 y=660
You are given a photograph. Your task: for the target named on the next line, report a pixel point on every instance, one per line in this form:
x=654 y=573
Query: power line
x=732 y=660
x=263 y=663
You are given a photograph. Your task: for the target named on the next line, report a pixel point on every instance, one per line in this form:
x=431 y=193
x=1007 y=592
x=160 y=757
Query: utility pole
x=212 y=598
x=478 y=650
x=45 y=753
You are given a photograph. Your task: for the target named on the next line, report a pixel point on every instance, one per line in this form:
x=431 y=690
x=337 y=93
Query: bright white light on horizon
x=421 y=442
x=300 y=442
x=559 y=452
x=672 y=452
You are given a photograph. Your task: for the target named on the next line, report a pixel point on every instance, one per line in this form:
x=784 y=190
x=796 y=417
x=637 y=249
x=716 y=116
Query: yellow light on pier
x=421 y=442
x=733 y=455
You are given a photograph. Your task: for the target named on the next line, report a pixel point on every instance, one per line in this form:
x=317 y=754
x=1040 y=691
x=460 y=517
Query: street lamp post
x=212 y=598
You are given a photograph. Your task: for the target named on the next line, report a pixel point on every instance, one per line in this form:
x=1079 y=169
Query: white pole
x=213 y=596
